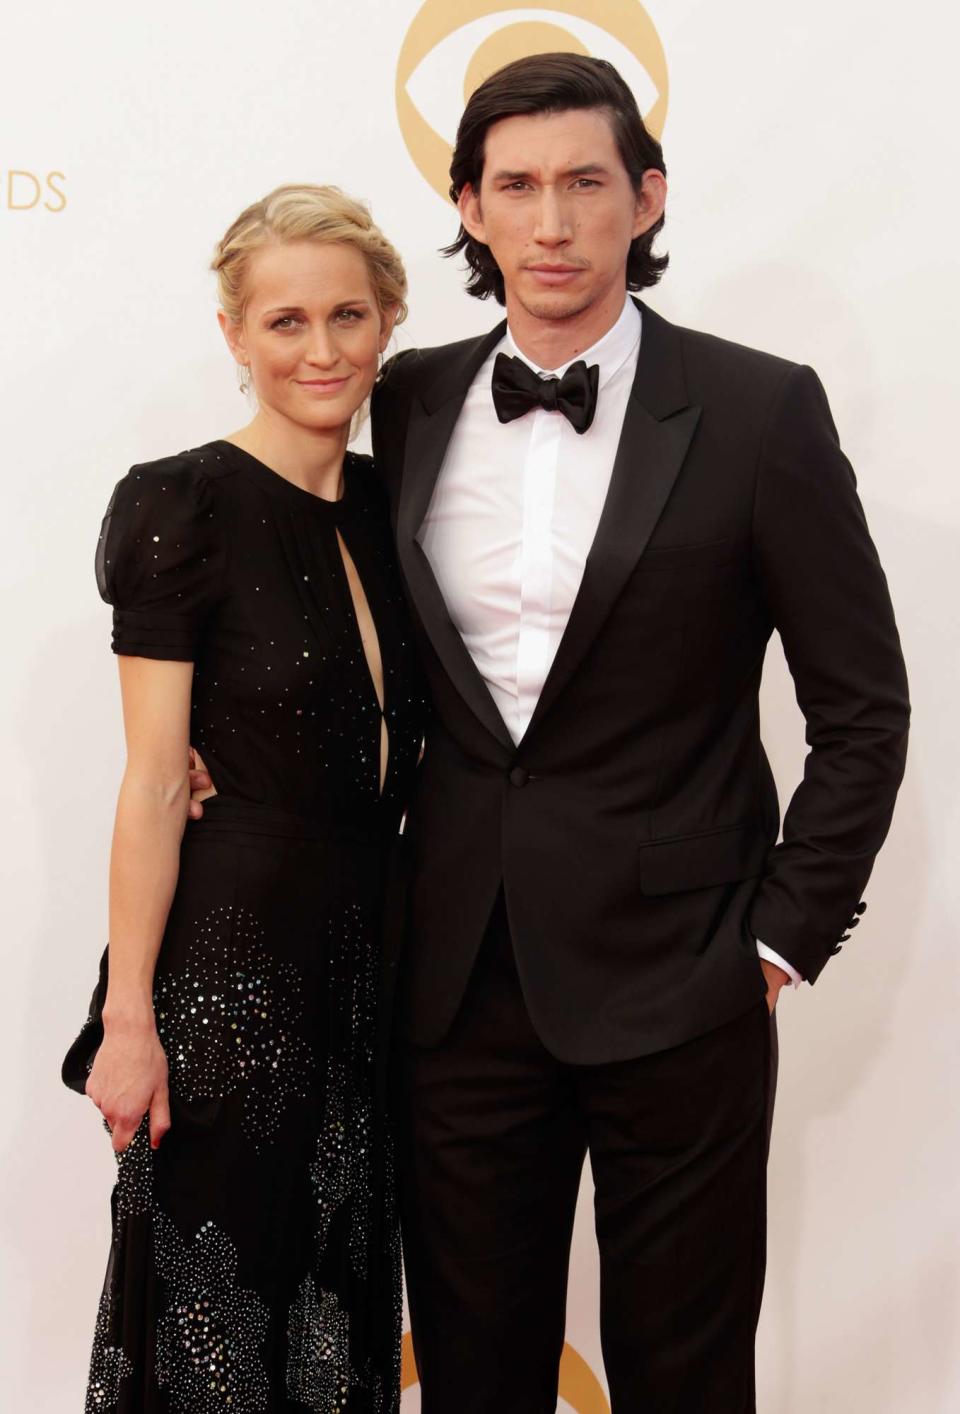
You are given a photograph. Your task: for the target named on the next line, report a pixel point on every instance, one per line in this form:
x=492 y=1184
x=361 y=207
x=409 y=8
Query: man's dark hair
x=553 y=83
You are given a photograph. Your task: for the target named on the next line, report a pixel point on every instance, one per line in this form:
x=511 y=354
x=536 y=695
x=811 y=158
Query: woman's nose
x=322 y=350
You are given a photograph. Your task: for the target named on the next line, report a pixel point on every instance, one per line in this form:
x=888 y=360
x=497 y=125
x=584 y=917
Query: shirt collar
x=610 y=353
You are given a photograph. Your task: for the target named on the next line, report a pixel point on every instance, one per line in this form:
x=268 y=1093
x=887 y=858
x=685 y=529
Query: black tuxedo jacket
x=634 y=828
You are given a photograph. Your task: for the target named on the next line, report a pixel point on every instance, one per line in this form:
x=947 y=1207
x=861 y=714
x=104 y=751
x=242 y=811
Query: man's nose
x=552 y=227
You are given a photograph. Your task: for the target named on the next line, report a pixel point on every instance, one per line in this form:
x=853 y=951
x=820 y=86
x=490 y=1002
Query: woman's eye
x=351 y=316
x=286 y=321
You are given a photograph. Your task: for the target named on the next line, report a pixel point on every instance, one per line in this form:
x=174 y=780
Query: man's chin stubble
x=558 y=309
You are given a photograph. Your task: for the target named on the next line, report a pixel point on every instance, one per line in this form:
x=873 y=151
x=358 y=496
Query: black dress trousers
x=494 y=1131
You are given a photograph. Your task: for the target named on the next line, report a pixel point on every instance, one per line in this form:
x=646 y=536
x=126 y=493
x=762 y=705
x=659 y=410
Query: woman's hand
x=201 y=786
x=128 y=1079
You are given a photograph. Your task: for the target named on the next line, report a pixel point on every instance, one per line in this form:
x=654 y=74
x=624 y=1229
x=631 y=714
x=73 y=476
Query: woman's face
x=312 y=332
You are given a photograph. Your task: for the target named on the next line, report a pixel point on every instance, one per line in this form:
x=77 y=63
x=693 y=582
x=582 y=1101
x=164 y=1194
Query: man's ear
x=651 y=200
x=233 y=333
x=471 y=216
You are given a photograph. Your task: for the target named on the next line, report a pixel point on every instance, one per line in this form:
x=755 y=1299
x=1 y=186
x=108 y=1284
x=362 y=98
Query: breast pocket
x=702 y=555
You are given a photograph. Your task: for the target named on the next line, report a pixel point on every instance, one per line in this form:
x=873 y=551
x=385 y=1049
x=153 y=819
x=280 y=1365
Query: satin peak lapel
x=433 y=418
x=657 y=431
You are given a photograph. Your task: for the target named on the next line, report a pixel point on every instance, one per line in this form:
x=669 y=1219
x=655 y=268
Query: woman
x=232 y=1045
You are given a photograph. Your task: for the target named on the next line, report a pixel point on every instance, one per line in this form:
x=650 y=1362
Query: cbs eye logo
x=453 y=45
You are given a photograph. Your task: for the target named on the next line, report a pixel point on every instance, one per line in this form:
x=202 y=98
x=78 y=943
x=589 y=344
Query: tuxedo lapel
x=433 y=418
x=657 y=431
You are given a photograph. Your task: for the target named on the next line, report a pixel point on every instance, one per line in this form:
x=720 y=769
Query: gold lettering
x=18 y=206
x=56 y=191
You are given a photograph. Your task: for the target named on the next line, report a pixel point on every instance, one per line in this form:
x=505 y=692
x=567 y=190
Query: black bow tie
x=517 y=389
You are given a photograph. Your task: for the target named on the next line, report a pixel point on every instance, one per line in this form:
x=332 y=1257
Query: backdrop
x=812 y=213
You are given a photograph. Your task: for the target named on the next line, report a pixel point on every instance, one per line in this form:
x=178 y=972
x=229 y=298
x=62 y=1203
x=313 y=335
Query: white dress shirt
x=512 y=518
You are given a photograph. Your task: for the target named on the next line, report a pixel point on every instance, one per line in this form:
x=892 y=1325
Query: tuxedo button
x=519 y=777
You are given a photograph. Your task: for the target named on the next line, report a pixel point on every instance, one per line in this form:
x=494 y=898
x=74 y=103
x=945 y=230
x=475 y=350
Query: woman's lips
x=322 y=385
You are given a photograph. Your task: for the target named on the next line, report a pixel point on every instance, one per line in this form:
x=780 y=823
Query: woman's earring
x=243 y=377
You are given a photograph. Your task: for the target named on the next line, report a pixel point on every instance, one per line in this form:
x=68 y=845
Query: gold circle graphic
x=579 y=1386
x=436 y=20
x=516 y=42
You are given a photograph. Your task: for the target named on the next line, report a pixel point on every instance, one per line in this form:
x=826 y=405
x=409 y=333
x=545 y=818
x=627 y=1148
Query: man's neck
x=551 y=343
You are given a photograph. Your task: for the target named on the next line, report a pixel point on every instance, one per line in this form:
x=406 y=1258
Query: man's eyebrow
x=586 y=169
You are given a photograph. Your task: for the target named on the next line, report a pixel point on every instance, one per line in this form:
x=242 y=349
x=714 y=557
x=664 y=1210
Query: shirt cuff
x=769 y=955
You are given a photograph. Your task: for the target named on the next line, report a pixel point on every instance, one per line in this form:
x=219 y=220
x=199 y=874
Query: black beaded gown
x=255 y=1258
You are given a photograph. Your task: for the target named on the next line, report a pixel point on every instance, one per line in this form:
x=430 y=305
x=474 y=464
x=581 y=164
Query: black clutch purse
x=78 y=1062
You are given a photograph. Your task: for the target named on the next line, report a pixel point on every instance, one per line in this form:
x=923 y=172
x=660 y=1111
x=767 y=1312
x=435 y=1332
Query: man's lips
x=554 y=274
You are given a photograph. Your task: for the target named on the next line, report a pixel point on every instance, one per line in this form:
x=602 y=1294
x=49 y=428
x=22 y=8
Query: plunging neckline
x=384 y=752
x=339 y=515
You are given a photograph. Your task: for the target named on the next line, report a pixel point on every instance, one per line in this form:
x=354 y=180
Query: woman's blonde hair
x=307 y=213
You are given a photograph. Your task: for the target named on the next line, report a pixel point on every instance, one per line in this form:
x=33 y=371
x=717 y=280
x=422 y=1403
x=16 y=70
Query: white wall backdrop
x=813 y=212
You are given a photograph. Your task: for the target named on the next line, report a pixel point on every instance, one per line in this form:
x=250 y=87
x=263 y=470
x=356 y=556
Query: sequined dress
x=255 y=1261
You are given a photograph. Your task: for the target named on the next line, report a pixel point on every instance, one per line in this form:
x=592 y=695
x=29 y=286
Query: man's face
x=558 y=211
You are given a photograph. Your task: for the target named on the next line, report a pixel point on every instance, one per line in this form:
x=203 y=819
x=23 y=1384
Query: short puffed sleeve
x=160 y=559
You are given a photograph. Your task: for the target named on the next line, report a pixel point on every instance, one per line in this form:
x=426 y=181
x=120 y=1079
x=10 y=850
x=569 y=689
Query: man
x=601 y=518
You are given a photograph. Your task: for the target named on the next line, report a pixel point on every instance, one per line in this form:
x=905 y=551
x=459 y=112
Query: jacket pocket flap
x=705 y=555
x=700 y=861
